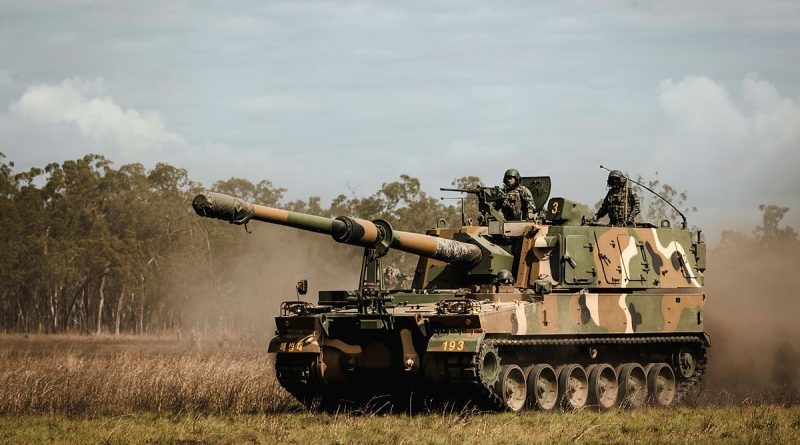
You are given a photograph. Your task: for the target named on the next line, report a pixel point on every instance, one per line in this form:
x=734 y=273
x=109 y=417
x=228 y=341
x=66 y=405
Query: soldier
x=519 y=200
x=621 y=203
x=394 y=278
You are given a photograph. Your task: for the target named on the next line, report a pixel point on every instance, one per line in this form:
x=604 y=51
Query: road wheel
x=661 y=384
x=603 y=386
x=542 y=387
x=632 y=386
x=573 y=387
x=511 y=387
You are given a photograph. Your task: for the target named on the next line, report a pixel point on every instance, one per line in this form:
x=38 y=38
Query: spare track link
x=684 y=385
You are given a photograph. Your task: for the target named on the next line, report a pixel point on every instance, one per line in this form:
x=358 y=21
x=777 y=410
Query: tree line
x=90 y=247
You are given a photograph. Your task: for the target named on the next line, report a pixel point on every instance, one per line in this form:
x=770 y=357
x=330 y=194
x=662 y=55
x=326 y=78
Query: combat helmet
x=616 y=179
x=504 y=276
x=511 y=172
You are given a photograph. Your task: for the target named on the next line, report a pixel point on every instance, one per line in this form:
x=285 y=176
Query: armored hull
x=547 y=314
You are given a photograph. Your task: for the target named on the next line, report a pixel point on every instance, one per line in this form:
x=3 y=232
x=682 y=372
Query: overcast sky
x=326 y=97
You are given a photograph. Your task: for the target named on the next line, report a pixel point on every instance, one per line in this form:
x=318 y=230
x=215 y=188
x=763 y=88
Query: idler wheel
x=685 y=362
x=661 y=384
x=542 y=387
x=632 y=386
x=603 y=386
x=511 y=387
x=573 y=387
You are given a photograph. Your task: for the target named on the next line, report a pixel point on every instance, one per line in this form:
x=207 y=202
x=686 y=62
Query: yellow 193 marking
x=291 y=347
x=555 y=208
x=453 y=345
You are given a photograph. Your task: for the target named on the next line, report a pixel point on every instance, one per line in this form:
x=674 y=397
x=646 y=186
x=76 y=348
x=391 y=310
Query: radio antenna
x=683 y=225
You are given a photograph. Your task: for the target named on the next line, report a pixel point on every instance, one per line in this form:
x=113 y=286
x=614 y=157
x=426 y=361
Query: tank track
x=297 y=373
x=685 y=385
x=463 y=377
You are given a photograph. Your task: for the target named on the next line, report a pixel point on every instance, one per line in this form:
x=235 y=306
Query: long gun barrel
x=344 y=229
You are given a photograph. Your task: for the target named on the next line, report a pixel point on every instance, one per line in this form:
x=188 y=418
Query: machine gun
x=490 y=202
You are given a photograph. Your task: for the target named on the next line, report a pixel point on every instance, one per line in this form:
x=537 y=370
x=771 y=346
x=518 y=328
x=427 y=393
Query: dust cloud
x=240 y=295
x=752 y=313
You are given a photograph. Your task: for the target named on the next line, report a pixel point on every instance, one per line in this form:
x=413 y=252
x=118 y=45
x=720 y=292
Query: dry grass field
x=99 y=376
x=108 y=390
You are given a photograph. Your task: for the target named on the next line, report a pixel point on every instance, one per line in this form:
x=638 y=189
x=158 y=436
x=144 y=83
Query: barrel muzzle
x=224 y=207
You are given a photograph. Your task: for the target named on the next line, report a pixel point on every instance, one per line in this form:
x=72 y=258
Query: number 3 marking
x=555 y=207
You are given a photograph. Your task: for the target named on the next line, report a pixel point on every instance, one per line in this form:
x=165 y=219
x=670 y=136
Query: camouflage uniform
x=621 y=203
x=518 y=204
x=394 y=278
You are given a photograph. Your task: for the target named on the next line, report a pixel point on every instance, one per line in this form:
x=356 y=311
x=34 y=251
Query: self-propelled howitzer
x=548 y=313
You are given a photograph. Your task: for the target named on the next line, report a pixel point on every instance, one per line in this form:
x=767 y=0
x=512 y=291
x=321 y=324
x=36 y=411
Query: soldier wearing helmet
x=518 y=204
x=621 y=203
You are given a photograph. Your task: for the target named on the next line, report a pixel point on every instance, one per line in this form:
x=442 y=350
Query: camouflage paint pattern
x=592 y=313
x=568 y=280
x=577 y=257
